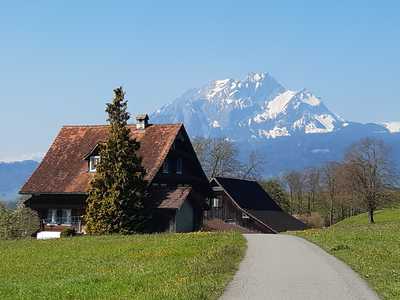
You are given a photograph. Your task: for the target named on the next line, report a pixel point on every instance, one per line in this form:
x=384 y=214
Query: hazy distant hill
x=13 y=175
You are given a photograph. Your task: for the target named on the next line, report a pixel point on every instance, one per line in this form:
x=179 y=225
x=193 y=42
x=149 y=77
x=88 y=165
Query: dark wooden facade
x=44 y=203
x=228 y=211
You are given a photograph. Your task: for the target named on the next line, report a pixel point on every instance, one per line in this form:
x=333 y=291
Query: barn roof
x=279 y=221
x=248 y=194
x=65 y=170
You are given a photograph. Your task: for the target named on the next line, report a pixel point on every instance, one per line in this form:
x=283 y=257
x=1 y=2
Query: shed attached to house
x=246 y=204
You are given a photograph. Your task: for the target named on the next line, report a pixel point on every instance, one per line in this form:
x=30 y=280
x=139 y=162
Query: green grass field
x=371 y=250
x=165 y=266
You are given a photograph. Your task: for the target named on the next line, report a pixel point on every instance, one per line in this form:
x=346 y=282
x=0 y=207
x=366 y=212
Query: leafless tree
x=295 y=183
x=330 y=180
x=218 y=156
x=312 y=186
x=201 y=147
x=254 y=167
x=371 y=171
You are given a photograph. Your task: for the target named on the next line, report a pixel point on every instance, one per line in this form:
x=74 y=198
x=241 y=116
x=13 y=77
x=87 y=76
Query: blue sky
x=60 y=60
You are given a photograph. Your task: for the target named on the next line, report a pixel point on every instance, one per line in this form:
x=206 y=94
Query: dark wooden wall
x=192 y=173
x=41 y=203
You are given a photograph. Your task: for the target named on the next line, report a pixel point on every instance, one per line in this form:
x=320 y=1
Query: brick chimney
x=142 y=121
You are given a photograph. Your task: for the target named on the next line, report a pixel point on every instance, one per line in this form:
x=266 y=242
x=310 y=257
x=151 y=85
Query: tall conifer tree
x=116 y=201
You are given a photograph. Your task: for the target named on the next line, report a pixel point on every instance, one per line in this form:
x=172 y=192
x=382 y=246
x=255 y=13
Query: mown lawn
x=371 y=250
x=165 y=266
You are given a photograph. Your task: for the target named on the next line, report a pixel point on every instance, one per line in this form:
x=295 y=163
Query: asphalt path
x=284 y=267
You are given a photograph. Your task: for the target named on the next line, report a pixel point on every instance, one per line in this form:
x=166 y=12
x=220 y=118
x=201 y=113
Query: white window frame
x=92 y=159
x=216 y=202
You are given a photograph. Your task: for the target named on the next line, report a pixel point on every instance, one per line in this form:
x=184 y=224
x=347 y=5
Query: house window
x=179 y=166
x=216 y=202
x=52 y=216
x=165 y=167
x=59 y=216
x=217 y=189
x=94 y=161
x=66 y=217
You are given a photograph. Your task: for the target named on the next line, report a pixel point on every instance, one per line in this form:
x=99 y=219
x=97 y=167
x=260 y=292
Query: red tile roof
x=64 y=170
x=171 y=198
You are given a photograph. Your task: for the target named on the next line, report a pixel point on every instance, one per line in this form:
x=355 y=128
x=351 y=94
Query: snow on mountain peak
x=275 y=107
x=254 y=77
x=393 y=127
x=307 y=97
x=256 y=107
x=217 y=87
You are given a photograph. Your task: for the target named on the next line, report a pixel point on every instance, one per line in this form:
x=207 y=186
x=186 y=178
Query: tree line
x=366 y=179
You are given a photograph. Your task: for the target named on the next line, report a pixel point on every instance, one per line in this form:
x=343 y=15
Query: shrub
x=313 y=220
x=67 y=232
x=4 y=221
x=19 y=223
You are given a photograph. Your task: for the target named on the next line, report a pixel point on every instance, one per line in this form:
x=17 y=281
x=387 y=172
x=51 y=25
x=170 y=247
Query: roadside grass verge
x=371 y=250
x=163 y=266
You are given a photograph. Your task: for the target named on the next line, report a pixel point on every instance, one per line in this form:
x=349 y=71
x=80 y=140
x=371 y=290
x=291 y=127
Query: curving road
x=283 y=267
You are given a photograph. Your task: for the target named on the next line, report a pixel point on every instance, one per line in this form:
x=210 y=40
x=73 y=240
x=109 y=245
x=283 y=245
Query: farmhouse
x=244 y=203
x=177 y=184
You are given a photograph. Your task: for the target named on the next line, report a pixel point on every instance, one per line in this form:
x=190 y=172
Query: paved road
x=282 y=267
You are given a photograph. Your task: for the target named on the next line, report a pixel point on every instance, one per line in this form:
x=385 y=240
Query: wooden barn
x=245 y=204
x=176 y=181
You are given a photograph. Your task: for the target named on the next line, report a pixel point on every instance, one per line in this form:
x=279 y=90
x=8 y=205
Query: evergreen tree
x=116 y=201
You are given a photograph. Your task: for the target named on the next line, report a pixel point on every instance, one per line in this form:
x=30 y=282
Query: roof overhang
x=90 y=153
x=53 y=193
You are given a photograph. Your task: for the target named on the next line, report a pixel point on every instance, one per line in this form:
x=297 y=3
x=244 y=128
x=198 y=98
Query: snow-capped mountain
x=291 y=129
x=258 y=107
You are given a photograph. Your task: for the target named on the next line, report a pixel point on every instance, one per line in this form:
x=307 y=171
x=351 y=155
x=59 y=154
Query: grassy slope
x=371 y=250
x=168 y=266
